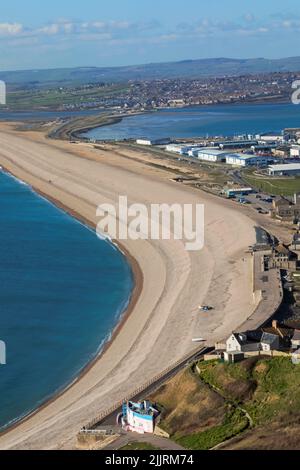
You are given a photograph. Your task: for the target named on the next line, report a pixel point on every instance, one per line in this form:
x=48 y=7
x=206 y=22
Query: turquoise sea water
x=225 y=120
x=62 y=291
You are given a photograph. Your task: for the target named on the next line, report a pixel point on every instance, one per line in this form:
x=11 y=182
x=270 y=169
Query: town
x=151 y=94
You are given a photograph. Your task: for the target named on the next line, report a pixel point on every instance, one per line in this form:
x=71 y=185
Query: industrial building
x=212 y=155
x=289 y=169
x=272 y=137
x=194 y=151
x=181 y=149
x=241 y=159
x=237 y=144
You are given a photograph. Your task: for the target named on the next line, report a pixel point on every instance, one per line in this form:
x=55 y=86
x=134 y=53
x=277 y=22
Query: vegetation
x=217 y=402
x=54 y=98
x=234 y=423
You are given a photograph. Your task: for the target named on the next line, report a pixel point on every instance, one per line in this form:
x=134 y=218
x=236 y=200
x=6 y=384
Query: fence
x=91 y=424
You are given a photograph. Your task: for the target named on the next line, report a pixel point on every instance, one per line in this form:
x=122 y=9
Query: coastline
x=159 y=328
x=138 y=281
x=111 y=120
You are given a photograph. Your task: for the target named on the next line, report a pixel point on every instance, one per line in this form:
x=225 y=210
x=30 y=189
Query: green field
x=56 y=97
x=277 y=186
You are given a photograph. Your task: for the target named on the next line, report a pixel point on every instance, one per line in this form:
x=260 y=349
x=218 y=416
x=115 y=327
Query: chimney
x=274 y=324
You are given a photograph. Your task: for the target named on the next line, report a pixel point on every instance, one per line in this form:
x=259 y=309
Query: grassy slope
x=200 y=414
x=194 y=415
x=54 y=98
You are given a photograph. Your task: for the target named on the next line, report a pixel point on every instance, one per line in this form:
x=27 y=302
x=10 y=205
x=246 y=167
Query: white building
x=139 y=417
x=295 y=151
x=241 y=159
x=194 y=152
x=179 y=148
x=289 y=169
x=242 y=343
x=271 y=137
x=212 y=155
x=153 y=141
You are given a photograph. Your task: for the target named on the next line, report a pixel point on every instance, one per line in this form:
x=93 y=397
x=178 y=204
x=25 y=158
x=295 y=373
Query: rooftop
x=287 y=166
x=212 y=151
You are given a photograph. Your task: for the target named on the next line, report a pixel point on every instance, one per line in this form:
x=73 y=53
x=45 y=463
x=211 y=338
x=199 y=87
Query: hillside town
x=179 y=92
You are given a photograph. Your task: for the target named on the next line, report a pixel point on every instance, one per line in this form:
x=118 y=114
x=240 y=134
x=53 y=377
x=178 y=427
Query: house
x=284 y=209
x=269 y=342
x=283 y=332
x=281 y=258
x=295 y=340
x=295 y=245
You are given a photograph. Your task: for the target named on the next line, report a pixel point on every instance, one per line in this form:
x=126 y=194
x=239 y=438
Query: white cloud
x=10 y=29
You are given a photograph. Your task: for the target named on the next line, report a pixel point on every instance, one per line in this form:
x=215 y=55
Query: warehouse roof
x=287 y=166
x=212 y=151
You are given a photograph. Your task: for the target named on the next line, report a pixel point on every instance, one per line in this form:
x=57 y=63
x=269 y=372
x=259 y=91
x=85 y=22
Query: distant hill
x=183 y=69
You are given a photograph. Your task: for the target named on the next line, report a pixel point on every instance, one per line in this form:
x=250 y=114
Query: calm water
x=45 y=115
x=226 y=120
x=62 y=291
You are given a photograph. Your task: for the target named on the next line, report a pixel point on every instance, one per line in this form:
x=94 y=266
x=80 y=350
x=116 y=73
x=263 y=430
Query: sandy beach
x=171 y=282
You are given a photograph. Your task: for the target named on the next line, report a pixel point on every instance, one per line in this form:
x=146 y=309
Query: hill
x=251 y=405
x=184 y=69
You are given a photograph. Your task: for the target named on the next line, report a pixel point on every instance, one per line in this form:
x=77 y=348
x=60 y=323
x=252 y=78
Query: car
x=258 y=196
x=205 y=308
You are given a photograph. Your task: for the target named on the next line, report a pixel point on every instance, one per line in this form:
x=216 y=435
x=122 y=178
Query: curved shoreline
x=112 y=119
x=165 y=318
x=138 y=280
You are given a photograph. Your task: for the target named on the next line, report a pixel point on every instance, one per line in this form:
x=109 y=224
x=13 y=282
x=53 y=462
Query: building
x=139 y=417
x=194 y=151
x=212 y=155
x=295 y=340
x=180 y=149
x=295 y=151
x=153 y=141
x=288 y=169
x=295 y=245
x=241 y=159
x=240 y=342
x=232 y=192
x=252 y=341
x=237 y=144
x=269 y=342
x=287 y=210
x=272 y=137
x=281 y=258
x=233 y=356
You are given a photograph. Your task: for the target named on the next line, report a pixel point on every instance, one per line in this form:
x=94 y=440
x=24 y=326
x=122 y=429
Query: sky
x=63 y=33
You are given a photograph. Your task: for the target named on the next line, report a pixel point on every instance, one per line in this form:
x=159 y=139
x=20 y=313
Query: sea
x=62 y=292
x=202 y=121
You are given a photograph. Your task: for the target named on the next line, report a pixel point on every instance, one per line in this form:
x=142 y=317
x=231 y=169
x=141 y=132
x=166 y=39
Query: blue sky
x=63 y=33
